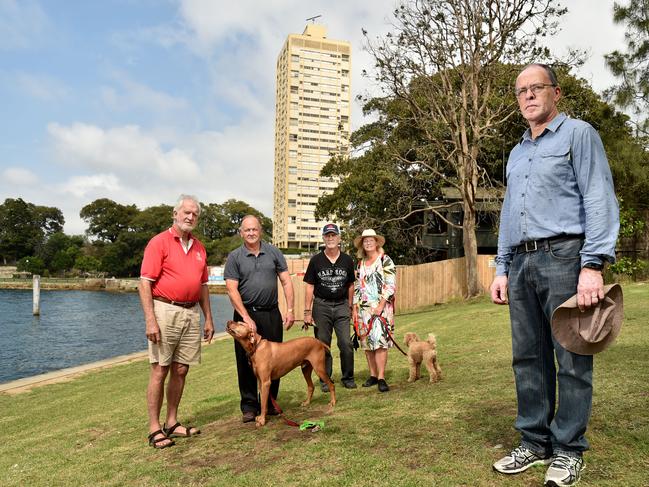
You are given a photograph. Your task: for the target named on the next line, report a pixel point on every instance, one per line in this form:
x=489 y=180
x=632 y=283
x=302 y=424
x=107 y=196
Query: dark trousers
x=330 y=316
x=269 y=326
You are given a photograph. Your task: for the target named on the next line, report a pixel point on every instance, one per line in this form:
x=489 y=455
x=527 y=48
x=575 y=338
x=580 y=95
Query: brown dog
x=272 y=360
x=425 y=352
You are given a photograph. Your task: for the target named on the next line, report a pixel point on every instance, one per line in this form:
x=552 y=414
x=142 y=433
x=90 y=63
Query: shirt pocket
x=556 y=163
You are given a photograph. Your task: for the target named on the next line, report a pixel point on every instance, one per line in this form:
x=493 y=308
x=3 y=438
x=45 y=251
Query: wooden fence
x=418 y=286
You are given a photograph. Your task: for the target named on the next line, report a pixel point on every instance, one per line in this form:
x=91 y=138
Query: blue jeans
x=538 y=283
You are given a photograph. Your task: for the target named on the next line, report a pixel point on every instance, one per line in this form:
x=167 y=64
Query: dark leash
x=386 y=327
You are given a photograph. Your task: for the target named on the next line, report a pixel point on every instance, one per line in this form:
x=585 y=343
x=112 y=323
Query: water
x=75 y=328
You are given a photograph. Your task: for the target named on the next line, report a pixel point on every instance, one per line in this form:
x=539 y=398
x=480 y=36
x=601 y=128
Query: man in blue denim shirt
x=558 y=225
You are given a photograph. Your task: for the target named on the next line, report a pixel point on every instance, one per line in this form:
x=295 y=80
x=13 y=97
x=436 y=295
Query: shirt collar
x=172 y=231
x=249 y=252
x=553 y=126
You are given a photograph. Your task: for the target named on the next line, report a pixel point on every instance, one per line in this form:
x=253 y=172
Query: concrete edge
x=27 y=383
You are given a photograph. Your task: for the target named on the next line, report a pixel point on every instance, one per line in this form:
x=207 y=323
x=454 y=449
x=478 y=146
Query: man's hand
x=499 y=290
x=590 y=289
x=251 y=324
x=152 y=331
x=208 y=331
x=289 y=319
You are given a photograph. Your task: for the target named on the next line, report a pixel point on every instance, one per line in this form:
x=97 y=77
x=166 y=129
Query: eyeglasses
x=535 y=89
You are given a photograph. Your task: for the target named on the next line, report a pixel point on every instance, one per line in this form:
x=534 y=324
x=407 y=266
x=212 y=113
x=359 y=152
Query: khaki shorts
x=180 y=331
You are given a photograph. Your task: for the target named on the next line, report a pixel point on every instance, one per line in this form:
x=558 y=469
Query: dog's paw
x=305 y=403
x=260 y=421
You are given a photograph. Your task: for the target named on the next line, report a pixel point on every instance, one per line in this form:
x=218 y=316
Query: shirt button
x=530 y=159
x=526 y=176
x=522 y=212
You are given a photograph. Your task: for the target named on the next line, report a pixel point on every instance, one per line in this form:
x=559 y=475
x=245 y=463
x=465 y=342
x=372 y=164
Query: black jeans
x=269 y=326
x=330 y=316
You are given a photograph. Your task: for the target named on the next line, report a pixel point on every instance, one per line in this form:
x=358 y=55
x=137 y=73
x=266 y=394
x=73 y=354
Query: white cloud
x=81 y=186
x=124 y=150
x=19 y=176
x=22 y=24
x=43 y=87
x=134 y=94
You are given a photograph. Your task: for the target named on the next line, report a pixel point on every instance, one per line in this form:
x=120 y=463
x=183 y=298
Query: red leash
x=386 y=327
x=289 y=422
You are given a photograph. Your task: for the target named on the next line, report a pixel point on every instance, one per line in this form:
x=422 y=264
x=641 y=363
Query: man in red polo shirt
x=173 y=281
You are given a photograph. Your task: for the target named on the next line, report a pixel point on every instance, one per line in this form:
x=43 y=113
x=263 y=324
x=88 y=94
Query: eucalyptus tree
x=443 y=60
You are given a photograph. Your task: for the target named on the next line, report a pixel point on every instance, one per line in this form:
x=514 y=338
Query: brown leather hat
x=593 y=330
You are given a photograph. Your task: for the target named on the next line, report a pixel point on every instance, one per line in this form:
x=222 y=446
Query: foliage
x=24 y=227
x=87 y=263
x=443 y=61
x=219 y=221
x=107 y=219
x=31 y=264
x=628 y=267
x=632 y=66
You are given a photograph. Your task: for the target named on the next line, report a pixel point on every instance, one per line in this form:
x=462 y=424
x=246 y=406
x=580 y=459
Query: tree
x=25 y=226
x=107 y=219
x=218 y=221
x=153 y=220
x=406 y=186
x=632 y=66
x=442 y=61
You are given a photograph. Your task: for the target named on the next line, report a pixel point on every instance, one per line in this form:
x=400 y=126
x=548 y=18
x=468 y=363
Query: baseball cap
x=330 y=228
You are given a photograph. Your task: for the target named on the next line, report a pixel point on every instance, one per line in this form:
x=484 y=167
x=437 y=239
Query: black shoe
x=372 y=381
x=248 y=417
x=383 y=386
x=272 y=412
x=324 y=387
x=349 y=384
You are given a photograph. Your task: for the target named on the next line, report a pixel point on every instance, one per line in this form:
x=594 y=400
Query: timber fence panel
x=418 y=286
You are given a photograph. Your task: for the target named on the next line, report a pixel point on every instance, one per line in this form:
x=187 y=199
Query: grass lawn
x=92 y=430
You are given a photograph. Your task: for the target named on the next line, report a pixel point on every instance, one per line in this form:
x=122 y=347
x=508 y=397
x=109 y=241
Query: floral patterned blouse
x=373 y=282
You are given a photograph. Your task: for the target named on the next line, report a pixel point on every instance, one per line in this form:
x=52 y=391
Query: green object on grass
x=311 y=425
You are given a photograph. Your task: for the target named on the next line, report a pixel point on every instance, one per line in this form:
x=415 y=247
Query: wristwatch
x=593 y=265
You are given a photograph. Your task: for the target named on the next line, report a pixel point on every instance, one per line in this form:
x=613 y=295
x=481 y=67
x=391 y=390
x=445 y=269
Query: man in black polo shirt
x=251 y=273
x=329 y=282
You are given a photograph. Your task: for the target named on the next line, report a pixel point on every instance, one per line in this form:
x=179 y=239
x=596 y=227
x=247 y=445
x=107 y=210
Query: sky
x=139 y=101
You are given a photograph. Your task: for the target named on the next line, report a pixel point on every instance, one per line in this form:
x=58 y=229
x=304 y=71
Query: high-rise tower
x=311 y=123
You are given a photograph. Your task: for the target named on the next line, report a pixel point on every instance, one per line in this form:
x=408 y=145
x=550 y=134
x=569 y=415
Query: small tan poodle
x=425 y=352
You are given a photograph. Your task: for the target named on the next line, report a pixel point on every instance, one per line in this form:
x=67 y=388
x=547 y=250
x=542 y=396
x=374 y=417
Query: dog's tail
x=432 y=339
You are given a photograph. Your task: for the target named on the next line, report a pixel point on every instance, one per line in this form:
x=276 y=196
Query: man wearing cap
x=329 y=279
x=558 y=226
x=251 y=273
x=173 y=283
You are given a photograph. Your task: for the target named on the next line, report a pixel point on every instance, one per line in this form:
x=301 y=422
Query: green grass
x=92 y=430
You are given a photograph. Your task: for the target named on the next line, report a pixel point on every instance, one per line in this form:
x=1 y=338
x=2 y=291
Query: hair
x=548 y=69
x=187 y=197
x=361 y=251
x=250 y=216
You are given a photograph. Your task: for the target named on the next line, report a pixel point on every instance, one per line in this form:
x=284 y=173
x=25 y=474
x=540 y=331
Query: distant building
x=312 y=122
x=446 y=239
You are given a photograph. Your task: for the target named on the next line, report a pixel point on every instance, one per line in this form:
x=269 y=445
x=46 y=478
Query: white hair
x=187 y=197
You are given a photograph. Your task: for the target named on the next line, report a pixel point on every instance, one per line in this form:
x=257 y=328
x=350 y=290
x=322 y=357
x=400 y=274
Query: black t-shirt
x=330 y=281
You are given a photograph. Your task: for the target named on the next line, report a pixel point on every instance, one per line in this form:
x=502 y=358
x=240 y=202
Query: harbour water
x=74 y=328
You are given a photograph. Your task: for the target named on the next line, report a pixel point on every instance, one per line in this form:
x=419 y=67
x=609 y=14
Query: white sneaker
x=564 y=470
x=519 y=460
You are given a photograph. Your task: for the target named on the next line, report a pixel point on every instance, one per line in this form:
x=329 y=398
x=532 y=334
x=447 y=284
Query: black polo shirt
x=330 y=280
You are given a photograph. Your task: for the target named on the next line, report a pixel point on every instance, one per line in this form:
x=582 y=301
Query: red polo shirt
x=176 y=275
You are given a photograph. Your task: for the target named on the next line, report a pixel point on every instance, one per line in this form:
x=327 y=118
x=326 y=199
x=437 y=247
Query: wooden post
x=37 y=294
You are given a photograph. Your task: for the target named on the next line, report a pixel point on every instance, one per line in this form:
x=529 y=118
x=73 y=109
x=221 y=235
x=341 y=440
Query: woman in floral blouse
x=374 y=296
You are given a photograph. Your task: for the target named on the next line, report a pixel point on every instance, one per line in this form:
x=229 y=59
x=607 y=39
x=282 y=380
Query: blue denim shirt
x=559 y=183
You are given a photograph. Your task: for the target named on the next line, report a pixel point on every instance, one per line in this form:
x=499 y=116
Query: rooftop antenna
x=312 y=19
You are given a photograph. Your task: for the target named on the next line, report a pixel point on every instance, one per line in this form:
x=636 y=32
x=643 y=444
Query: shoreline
x=90 y=284
x=26 y=384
